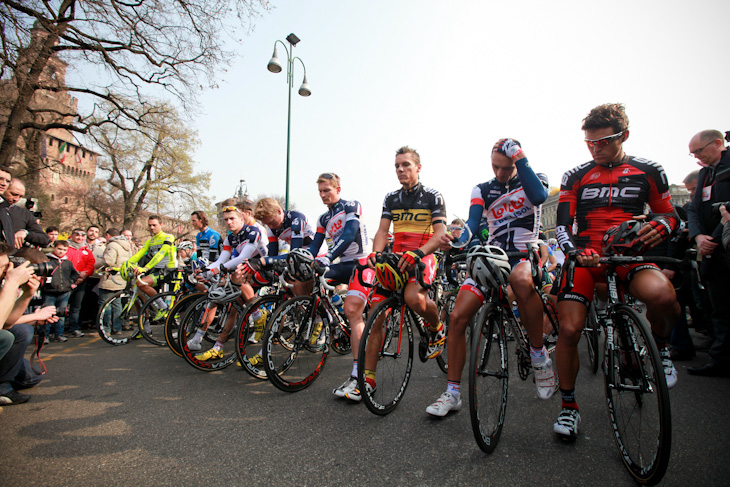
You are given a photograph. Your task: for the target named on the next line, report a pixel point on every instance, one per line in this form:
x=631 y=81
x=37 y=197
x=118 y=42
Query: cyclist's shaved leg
x=466 y=306
x=417 y=299
x=652 y=288
x=528 y=302
x=572 y=319
x=145 y=285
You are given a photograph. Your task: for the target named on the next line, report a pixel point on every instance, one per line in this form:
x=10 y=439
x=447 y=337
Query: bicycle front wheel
x=250 y=341
x=488 y=378
x=445 y=307
x=172 y=323
x=591 y=332
x=118 y=317
x=386 y=347
x=637 y=397
x=153 y=315
x=202 y=353
x=296 y=343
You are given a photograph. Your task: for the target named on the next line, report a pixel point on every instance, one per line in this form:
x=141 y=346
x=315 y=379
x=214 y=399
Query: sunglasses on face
x=83 y=234
x=603 y=141
x=231 y=208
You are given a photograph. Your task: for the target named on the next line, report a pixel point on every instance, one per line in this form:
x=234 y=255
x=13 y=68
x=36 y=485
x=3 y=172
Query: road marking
x=71 y=349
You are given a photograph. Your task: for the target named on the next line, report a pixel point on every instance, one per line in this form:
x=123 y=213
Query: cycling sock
x=454 y=387
x=218 y=346
x=435 y=328
x=198 y=336
x=538 y=355
x=568 y=397
x=661 y=342
x=256 y=315
x=159 y=303
x=354 y=368
x=370 y=377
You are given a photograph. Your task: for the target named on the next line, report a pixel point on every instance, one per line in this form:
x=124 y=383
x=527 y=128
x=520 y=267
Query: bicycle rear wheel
x=592 y=331
x=445 y=307
x=386 y=343
x=295 y=346
x=194 y=319
x=250 y=338
x=172 y=323
x=118 y=317
x=637 y=397
x=152 y=320
x=488 y=378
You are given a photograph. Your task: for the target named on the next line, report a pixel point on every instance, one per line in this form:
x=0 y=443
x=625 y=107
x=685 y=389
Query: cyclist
x=159 y=253
x=509 y=205
x=608 y=190
x=347 y=239
x=244 y=241
x=207 y=240
x=418 y=215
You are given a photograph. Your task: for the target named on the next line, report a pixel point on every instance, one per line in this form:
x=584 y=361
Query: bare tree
x=141 y=45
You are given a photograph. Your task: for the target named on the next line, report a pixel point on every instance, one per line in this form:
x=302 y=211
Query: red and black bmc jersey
x=593 y=198
x=412 y=212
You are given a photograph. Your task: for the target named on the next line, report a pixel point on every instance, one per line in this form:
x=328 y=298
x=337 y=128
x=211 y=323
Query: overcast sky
x=449 y=79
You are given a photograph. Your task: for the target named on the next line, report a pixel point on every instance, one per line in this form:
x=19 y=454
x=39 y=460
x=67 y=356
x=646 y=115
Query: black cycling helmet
x=624 y=239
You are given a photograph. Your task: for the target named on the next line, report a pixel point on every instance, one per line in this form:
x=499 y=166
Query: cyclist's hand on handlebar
x=245 y=268
x=323 y=261
x=654 y=232
x=372 y=258
x=409 y=259
x=587 y=258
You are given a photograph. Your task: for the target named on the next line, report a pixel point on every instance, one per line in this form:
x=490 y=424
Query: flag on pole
x=62 y=151
x=78 y=155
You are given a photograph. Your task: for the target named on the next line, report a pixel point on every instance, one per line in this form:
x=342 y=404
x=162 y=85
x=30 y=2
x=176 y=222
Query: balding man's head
x=15 y=191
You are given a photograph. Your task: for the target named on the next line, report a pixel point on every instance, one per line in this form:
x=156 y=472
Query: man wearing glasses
x=83 y=260
x=610 y=189
x=705 y=226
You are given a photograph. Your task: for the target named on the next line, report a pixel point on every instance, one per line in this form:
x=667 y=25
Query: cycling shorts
x=585 y=279
x=429 y=273
x=161 y=275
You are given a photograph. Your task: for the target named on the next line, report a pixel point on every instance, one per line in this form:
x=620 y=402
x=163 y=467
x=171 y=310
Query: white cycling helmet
x=224 y=294
x=185 y=245
x=488 y=266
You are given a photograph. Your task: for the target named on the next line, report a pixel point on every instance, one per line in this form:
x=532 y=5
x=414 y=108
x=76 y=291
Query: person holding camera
x=705 y=227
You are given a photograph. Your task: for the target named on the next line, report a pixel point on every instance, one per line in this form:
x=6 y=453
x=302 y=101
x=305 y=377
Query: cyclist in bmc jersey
x=418 y=215
x=208 y=241
x=607 y=191
x=510 y=206
x=245 y=241
x=161 y=250
x=347 y=241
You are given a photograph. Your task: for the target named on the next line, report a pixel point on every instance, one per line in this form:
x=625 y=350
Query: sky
x=449 y=79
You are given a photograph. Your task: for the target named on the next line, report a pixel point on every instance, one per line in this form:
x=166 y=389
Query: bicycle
x=488 y=361
x=296 y=344
x=127 y=304
x=174 y=317
x=152 y=321
x=394 y=348
x=636 y=390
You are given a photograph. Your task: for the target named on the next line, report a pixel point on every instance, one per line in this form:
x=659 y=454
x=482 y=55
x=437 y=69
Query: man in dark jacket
x=7 y=234
x=713 y=186
x=27 y=230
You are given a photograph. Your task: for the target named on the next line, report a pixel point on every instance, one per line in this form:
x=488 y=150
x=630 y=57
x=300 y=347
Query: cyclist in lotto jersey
x=347 y=241
x=161 y=254
x=509 y=205
x=289 y=226
x=610 y=189
x=245 y=241
x=208 y=241
x=418 y=216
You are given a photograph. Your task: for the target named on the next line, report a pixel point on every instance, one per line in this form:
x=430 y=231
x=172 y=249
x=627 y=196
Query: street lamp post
x=275 y=67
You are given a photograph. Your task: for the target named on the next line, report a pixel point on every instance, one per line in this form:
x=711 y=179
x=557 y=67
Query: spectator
x=57 y=288
x=12 y=364
x=52 y=233
x=118 y=250
x=704 y=226
x=83 y=260
x=725 y=228
x=7 y=233
x=89 y=305
x=27 y=230
x=126 y=233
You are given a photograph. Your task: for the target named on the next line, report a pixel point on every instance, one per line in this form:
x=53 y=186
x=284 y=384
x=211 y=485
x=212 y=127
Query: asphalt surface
x=138 y=415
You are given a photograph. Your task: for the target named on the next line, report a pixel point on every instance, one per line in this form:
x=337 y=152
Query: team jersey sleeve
x=298 y=224
x=141 y=253
x=566 y=211
x=247 y=250
x=476 y=210
x=167 y=248
x=353 y=210
x=534 y=188
x=660 y=201
x=224 y=257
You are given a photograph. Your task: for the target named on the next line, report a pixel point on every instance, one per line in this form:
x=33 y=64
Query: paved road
x=138 y=415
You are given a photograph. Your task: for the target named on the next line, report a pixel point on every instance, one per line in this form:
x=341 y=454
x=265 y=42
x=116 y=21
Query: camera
x=42 y=269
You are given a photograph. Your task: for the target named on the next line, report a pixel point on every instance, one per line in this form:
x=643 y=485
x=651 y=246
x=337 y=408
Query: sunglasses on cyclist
x=231 y=208
x=603 y=141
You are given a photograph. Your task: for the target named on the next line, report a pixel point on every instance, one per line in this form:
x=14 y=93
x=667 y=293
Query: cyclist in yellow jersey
x=161 y=248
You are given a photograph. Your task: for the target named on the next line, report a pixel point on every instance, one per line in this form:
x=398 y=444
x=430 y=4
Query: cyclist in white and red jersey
x=418 y=215
x=509 y=205
x=610 y=189
x=347 y=240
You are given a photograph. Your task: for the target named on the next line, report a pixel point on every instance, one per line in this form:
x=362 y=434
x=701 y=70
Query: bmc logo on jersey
x=613 y=192
x=507 y=207
x=595 y=175
x=411 y=215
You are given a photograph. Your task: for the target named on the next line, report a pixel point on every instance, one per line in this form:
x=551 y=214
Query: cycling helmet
x=388 y=274
x=225 y=293
x=126 y=271
x=488 y=266
x=299 y=263
x=624 y=239
x=185 y=245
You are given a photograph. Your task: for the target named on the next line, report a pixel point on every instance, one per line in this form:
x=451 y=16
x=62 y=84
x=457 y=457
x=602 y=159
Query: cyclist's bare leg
x=572 y=319
x=375 y=339
x=417 y=299
x=145 y=283
x=466 y=306
x=354 y=306
x=652 y=288
x=528 y=302
x=248 y=294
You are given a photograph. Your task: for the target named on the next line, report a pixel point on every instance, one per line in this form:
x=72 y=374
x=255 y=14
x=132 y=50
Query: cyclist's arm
x=534 y=188
x=439 y=230
x=380 y=241
x=167 y=248
x=347 y=237
x=141 y=252
x=224 y=257
x=316 y=243
x=566 y=214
